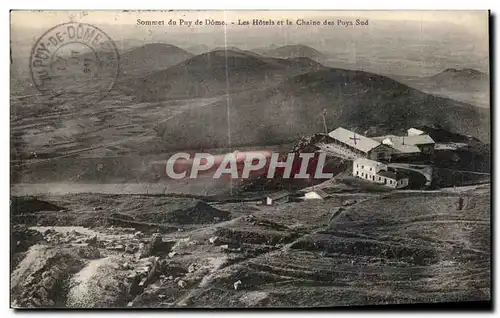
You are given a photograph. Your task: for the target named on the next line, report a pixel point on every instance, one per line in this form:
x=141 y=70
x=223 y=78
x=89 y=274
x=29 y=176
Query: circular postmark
x=75 y=61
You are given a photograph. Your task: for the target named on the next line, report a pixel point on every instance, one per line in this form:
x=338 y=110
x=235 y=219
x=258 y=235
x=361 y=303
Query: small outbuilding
x=278 y=197
x=317 y=194
x=267 y=201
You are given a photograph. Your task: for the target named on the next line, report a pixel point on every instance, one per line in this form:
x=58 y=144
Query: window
x=357 y=173
x=370 y=168
x=357 y=166
x=373 y=178
x=362 y=166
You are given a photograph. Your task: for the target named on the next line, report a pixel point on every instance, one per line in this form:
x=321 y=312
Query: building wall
x=403 y=183
x=343 y=149
x=396 y=184
x=356 y=165
x=381 y=152
x=408 y=156
x=368 y=175
x=426 y=149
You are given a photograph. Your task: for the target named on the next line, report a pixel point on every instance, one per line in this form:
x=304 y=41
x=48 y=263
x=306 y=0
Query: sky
x=404 y=42
x=476 y=21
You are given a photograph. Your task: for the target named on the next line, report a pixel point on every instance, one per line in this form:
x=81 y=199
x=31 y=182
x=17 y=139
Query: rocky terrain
x=160 y=251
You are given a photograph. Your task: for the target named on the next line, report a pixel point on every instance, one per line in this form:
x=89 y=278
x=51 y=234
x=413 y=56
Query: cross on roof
x=354 y=138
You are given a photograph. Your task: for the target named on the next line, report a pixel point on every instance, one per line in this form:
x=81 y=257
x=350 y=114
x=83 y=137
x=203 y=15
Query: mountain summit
x=451 y=74
x=151 y=57
x=296 y=50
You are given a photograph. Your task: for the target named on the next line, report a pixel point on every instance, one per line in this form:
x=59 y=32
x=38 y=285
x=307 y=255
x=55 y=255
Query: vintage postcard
x=220 y=159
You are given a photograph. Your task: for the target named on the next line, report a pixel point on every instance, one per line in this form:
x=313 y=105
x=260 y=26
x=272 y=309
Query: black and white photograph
x=249 y=159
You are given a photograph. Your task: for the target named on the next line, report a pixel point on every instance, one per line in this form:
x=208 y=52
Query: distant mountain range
x=290 y=51
x=198 y=49
x=215 y=73
x=354 y=99
x=467 y=85
x=152 y=57
x=455 y=79
x=467 y=74
x=272 y=100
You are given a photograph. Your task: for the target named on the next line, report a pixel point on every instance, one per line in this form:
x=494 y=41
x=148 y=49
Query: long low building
x=352 y=144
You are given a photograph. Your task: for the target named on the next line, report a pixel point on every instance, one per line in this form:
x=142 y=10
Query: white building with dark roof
x=355 y=145
x=377 y=172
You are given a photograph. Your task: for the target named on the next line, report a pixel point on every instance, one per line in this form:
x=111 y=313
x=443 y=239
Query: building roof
x=345 y=136
x=368 y=162
x=406 y=144
x=415 y=131
x=400 y=147
x=405 y=148
x=395 y=175
x=381 y=138
x=419 y=140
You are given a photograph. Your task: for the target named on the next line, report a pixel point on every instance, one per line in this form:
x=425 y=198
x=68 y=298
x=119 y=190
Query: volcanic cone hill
x=151 y=57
